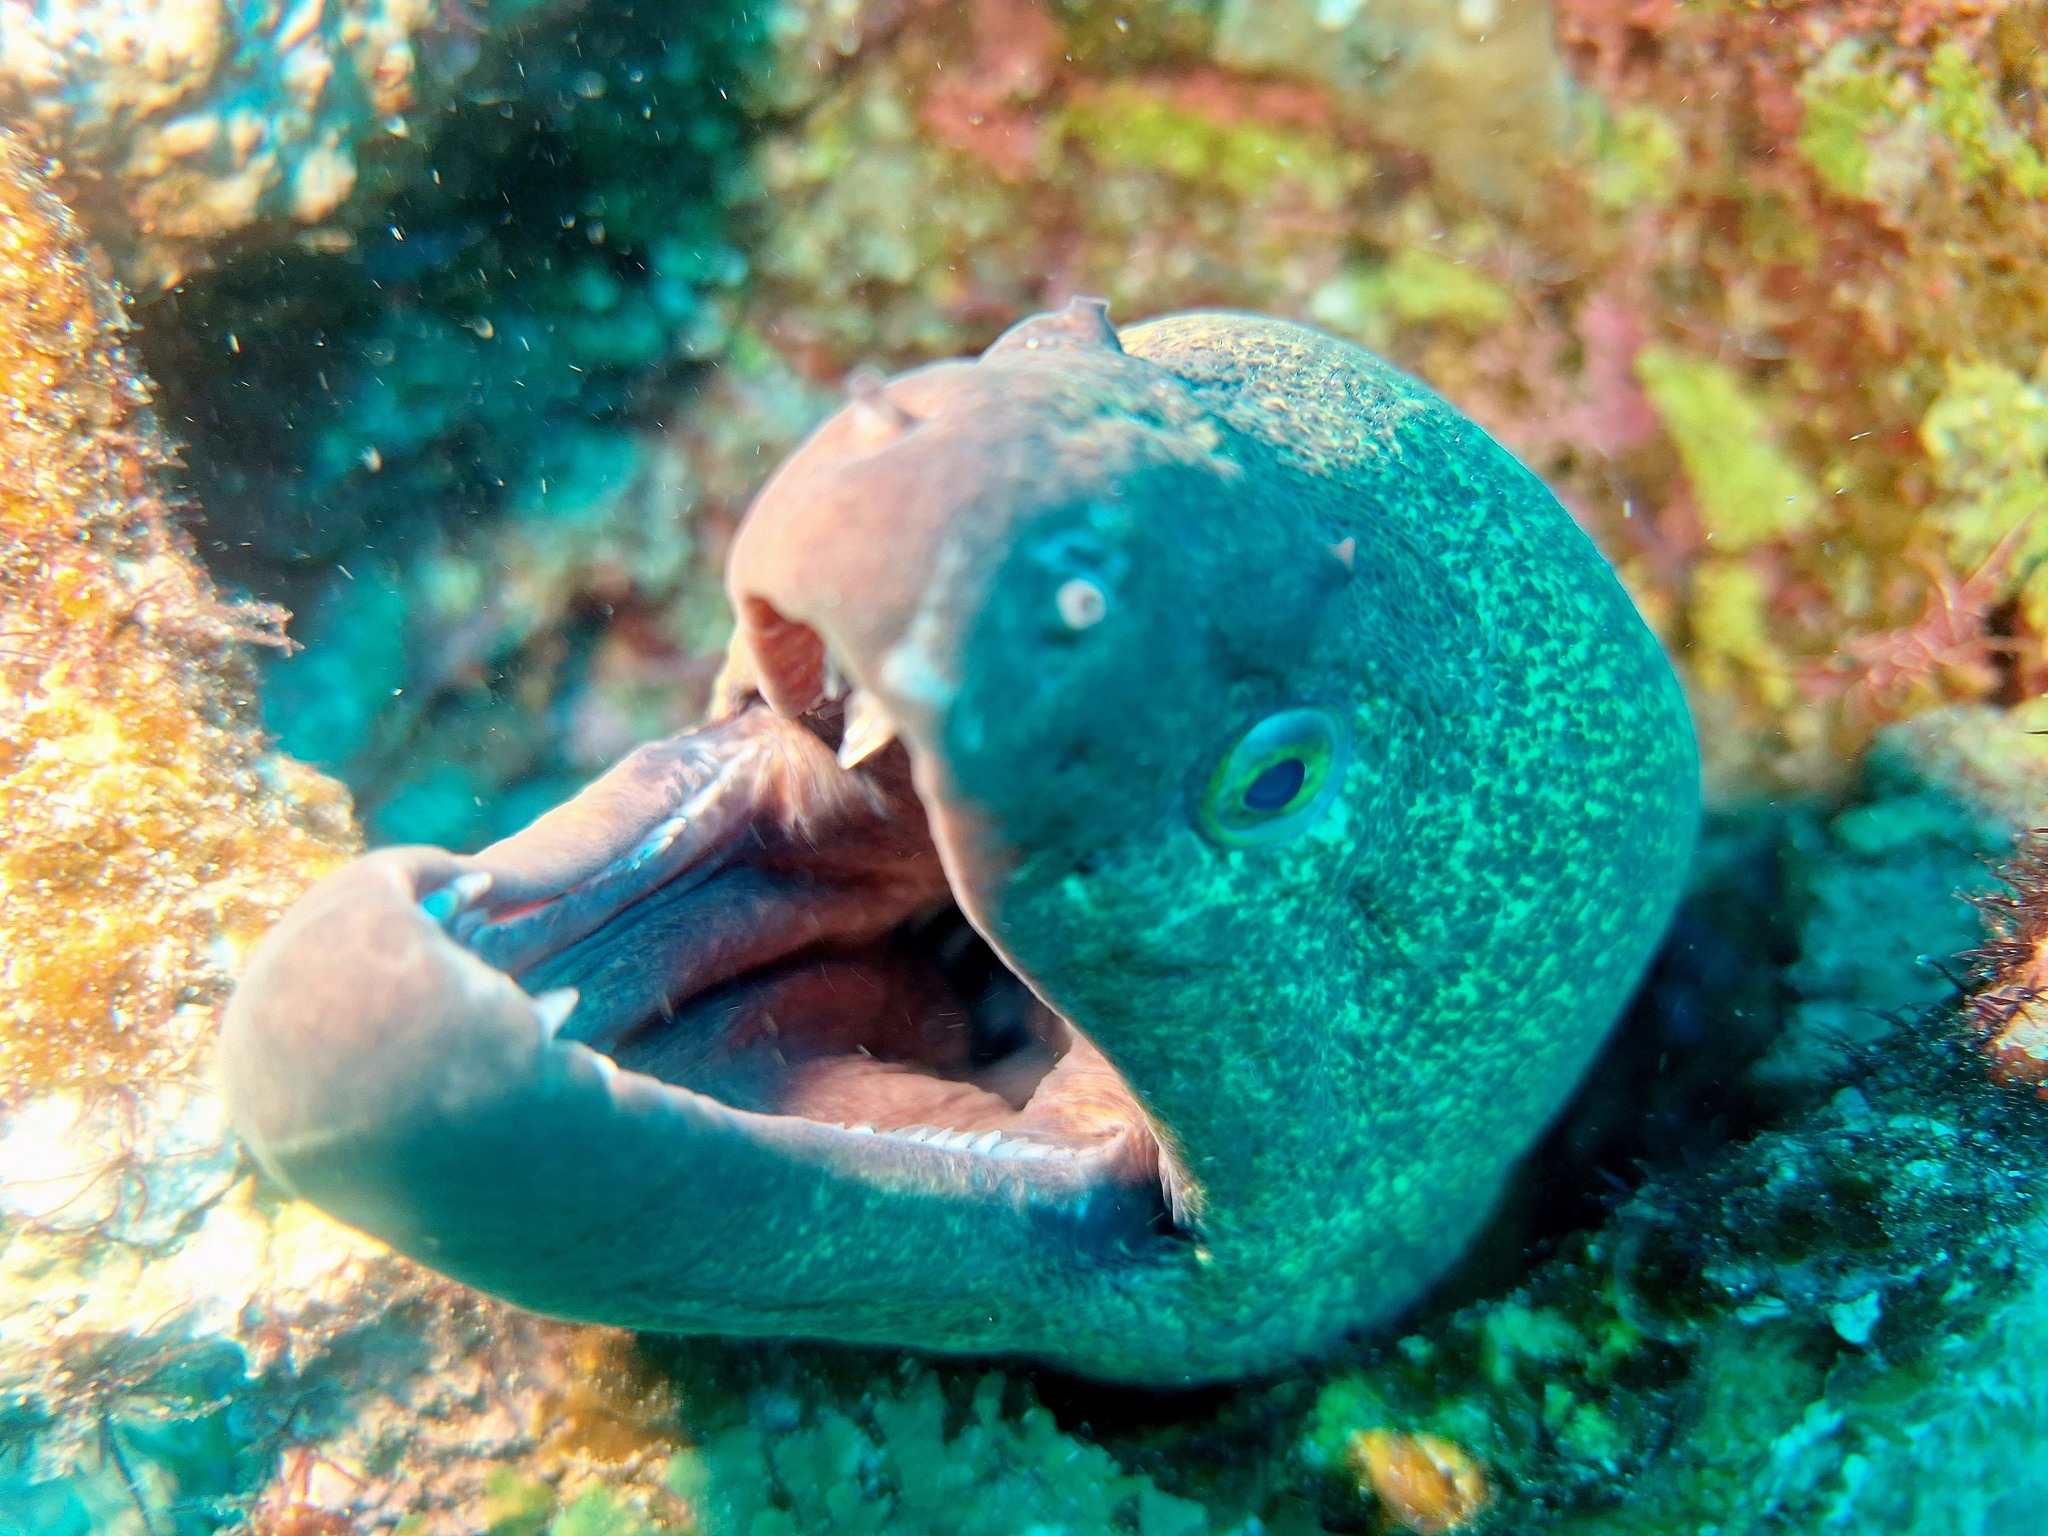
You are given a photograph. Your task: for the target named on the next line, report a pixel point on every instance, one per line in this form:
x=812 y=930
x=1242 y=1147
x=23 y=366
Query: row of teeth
x=986 y=1143
x=866 y=727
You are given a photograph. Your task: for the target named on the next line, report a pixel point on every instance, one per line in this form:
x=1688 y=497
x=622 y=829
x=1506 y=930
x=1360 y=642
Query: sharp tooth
x=862 y=1129
x=554 y=1009
x=868 y=729
x=658 y=841
x=988 y=1141
x=835 y=684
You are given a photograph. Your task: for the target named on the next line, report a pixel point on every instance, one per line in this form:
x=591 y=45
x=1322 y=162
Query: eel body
x=1183 y=809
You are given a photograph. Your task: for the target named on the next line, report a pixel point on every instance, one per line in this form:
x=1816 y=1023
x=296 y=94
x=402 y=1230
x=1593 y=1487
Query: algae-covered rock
x=181 y=122
x=905 y=1461
x=150 y=835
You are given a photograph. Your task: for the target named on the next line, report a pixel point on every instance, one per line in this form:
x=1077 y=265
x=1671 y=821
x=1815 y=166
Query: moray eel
x=1183 y=808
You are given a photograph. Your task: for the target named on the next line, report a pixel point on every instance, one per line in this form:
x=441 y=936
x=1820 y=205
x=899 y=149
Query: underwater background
x=393 y=507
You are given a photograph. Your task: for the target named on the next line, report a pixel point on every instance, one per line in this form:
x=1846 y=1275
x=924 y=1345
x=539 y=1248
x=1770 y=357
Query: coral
x=179 y=124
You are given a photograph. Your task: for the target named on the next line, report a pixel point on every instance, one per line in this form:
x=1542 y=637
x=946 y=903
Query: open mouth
x=771 y=927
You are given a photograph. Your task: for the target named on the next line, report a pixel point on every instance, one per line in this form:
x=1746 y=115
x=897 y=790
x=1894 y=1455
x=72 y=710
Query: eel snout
x=724 y=987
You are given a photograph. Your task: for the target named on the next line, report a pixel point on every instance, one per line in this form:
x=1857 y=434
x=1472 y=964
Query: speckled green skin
x=1352 y=1035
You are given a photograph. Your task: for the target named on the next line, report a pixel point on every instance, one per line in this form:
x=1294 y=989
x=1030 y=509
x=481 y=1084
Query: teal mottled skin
x=1403 y=996
x=1332 y=1046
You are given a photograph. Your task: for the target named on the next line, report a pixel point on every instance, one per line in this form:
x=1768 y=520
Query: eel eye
x=1282 y=774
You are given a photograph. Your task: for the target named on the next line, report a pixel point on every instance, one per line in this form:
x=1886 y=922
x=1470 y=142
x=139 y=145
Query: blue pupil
x=1276 y=786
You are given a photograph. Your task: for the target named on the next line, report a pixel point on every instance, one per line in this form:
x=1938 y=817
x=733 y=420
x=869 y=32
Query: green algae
x=1634 y=154
x=904 y=1460
x=1963 y=104
x=1124 y=128
x=1986 y=435
x=1748 y=489
x=1848 y=102
x=1416 y=286
x=1856 y=98
x=597 y=1512
x=514 y=1505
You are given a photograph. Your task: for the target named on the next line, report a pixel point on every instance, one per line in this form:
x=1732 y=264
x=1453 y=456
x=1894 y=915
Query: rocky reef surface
x=178 y=123
x=1759 y=290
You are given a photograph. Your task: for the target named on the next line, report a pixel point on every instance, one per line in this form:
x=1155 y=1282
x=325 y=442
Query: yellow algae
x=1416 y=287
x=1748 y=489
x=1635 y=155
x=1731 y=634
x=1987 y=436
x=1848 y=102
x=149 y=834
x=1989 y=146
x=1424 y=1483
x=1128 y=128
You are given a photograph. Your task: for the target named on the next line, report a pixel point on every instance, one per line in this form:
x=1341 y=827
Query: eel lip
x=358 y=1011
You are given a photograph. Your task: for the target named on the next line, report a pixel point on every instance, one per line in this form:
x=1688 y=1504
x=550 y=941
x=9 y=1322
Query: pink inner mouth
x=813 y=963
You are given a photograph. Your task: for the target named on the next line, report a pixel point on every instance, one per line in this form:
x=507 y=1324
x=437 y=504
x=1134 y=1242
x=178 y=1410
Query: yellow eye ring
x=1280 y=776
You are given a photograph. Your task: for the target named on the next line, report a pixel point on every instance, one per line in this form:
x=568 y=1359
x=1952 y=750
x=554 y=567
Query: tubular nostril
x=872 y=419
x=788 y=658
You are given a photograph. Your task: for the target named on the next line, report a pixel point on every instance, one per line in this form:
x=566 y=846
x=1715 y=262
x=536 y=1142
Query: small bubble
x=1081 y=603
